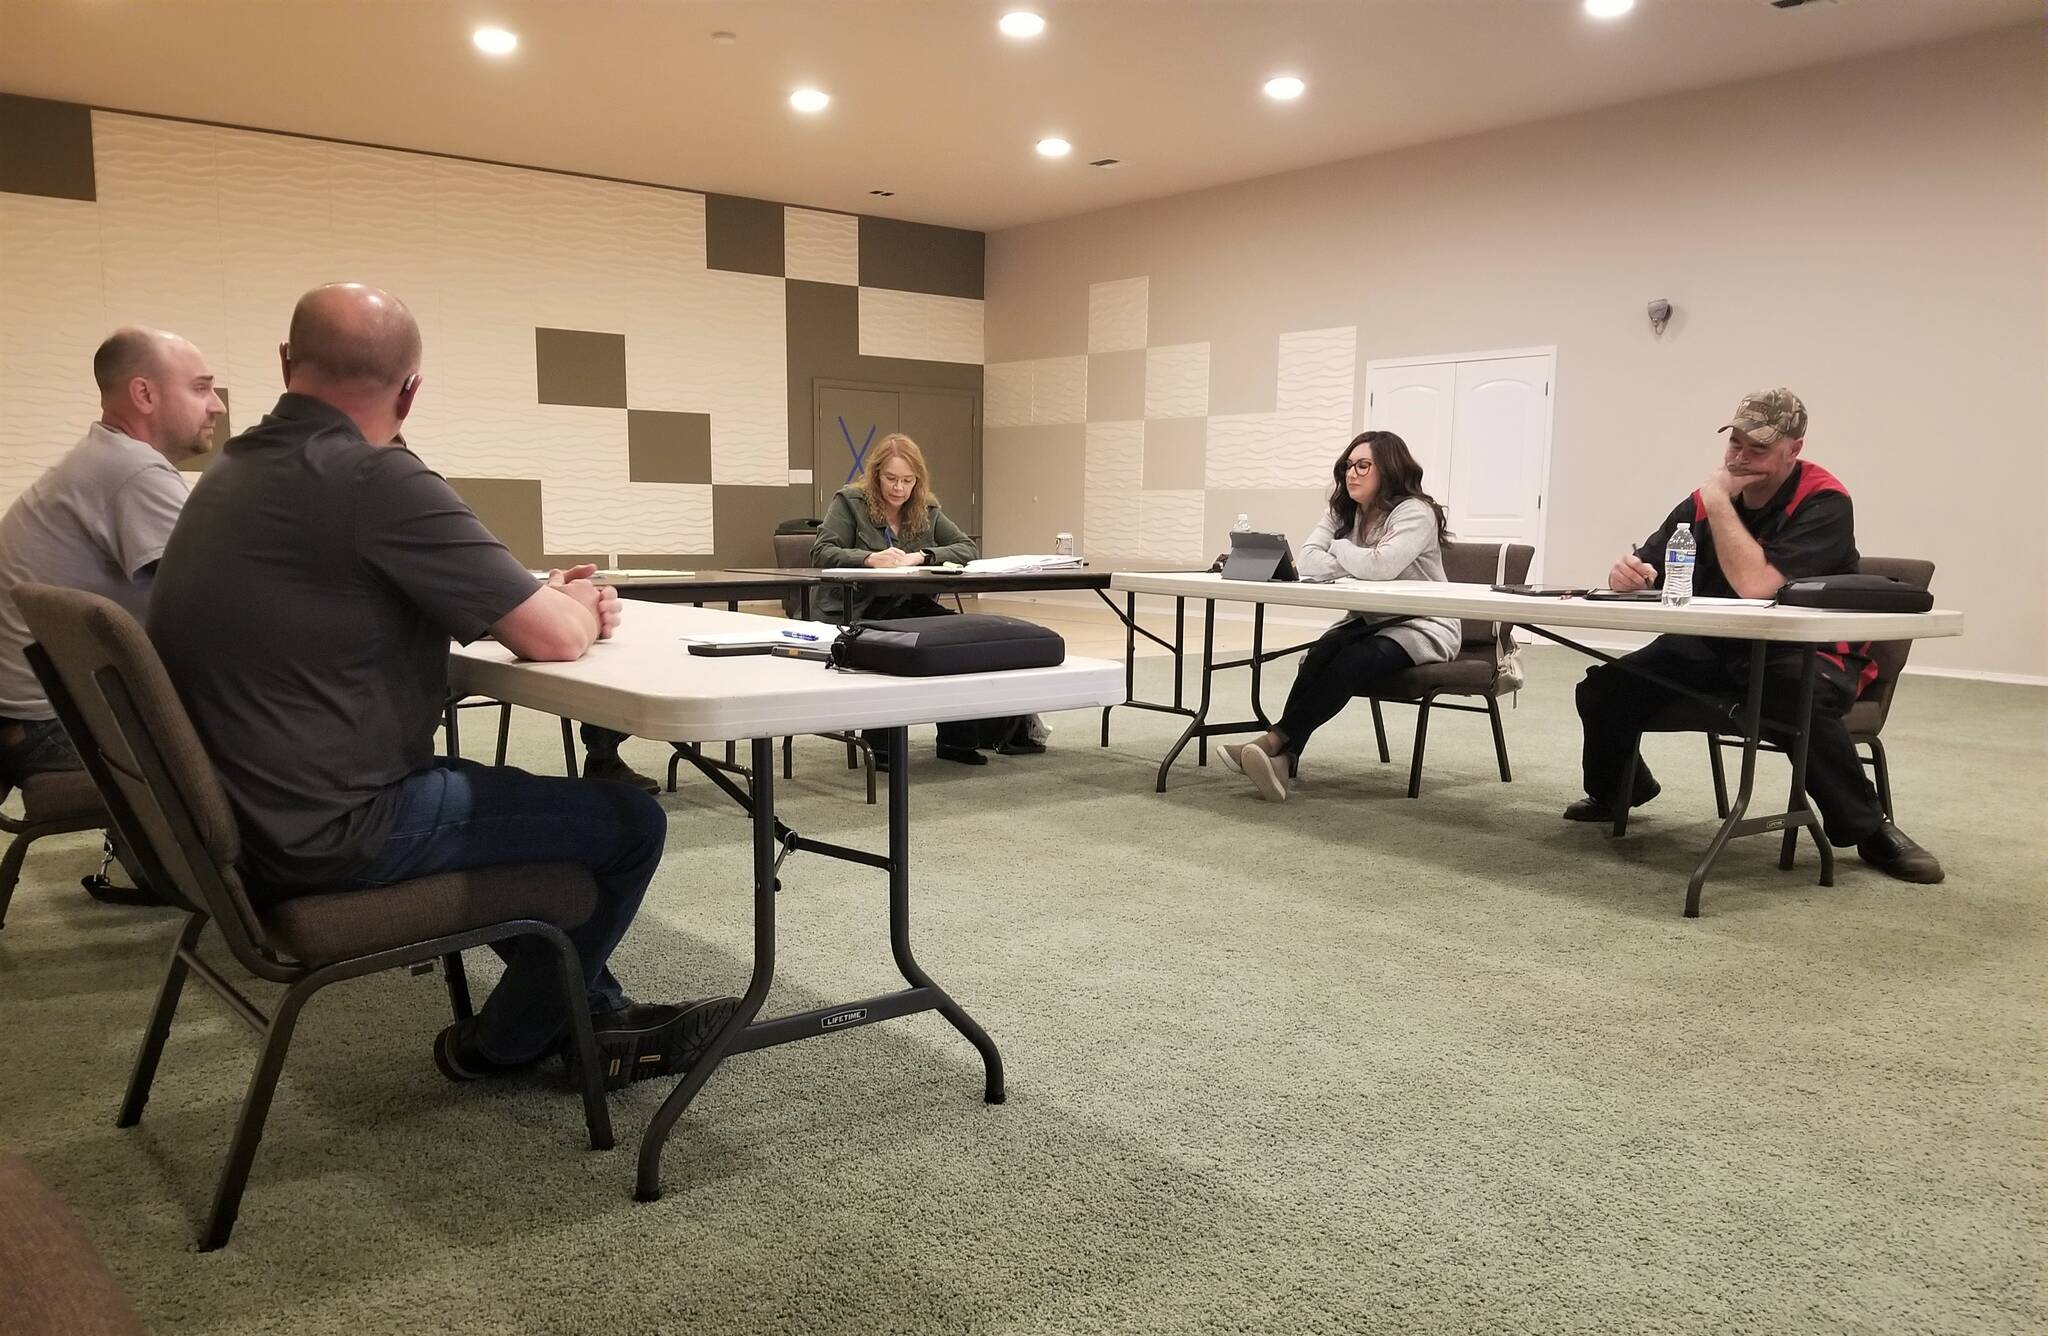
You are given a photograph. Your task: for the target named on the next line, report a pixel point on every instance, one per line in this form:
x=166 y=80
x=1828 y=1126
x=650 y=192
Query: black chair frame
x=302 y=981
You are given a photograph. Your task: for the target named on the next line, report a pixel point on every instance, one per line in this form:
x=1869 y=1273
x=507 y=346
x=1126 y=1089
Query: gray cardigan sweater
x=1403 y=546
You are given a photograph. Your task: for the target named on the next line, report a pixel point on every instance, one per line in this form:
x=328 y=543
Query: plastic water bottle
x=1063 y=545
x=1678 y=559
x=1243 y=525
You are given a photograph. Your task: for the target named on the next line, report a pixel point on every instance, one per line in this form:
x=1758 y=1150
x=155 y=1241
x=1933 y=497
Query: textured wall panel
x=920 y=325
x=1177 y=381
x=1113 y=472
x=1273 y=449
x=1059 y=390
x=821 y=247
x=1317 y=369
x=52 y=316
x=1117 y=314
x=216 y=232
x=1170 y=526
x=159 y=225
x=1006 y=394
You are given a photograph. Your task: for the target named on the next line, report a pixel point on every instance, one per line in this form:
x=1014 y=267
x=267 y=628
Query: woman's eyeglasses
x=1359 y=466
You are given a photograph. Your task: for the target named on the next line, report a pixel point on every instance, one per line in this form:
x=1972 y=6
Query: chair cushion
x=326 y=926
x=1466 y=675
x=62 y=795
x=51 y=1280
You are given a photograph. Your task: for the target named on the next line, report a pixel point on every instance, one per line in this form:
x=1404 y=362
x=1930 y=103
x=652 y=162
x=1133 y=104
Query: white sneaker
x=1264 y=773
x=1228 y=754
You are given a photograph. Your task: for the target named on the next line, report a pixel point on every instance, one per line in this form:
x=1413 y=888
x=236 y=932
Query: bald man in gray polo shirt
x=99 y=517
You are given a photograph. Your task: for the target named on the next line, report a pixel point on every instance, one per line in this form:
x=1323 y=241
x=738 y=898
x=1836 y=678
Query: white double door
x=1480 y=427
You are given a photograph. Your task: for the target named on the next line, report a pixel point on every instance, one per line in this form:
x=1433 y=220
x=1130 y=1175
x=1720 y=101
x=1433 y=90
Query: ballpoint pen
x=798 y=635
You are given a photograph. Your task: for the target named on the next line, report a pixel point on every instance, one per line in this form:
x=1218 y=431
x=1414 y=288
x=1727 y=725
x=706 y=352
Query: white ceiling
x=929 y=100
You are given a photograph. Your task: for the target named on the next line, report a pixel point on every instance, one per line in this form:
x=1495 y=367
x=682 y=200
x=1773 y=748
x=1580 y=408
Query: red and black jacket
x=1808 y=527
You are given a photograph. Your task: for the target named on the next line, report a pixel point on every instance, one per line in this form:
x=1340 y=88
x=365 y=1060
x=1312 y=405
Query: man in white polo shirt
x=99 y=517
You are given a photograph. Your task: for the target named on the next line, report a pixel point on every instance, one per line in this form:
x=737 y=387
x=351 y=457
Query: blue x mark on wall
x=859 y=452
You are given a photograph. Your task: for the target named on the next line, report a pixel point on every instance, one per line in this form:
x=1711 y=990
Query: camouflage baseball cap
x=1766 y=416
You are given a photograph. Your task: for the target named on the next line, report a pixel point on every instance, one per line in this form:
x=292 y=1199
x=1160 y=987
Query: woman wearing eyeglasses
x=1381 y=526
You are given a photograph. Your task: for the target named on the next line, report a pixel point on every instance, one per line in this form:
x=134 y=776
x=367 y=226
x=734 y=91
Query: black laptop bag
x=939 y=646
x=1856 y=593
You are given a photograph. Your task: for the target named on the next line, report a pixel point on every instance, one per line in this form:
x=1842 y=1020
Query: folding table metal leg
x=1201 y=716
x=1798 y=811
x=1752 y=735
x=569 y=748
x=742 y=1033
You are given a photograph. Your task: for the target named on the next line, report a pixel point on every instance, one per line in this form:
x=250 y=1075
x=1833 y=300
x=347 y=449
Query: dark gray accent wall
x=577 y=366
x=742 y=235
x=45 y=148
x=921 y=257
x=824 y=343
x=668 y=447
x=743 y=521
x=509 y=508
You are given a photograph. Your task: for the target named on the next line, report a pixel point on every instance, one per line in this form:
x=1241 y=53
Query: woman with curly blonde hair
x=889 y=518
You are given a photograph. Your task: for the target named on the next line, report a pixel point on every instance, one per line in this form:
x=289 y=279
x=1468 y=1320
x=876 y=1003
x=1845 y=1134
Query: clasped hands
x=890 y=557
x=601 y=601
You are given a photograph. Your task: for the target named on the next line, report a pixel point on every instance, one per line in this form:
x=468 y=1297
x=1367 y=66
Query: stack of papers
x=1022 y=565
x=771 y=631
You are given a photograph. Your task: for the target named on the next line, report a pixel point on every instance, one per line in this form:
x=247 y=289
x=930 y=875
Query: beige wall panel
x=1059 y=390
x=1902 y=259
x=159 y=224
x=821 y=247
x=52 y=317
x=1116 y=315
x=1170 y=527
x=1006 y=394
x=920 y=325
x=1177 y=381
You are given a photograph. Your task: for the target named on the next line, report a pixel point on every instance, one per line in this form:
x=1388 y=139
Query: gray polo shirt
x=303 y=609
x=96 y=520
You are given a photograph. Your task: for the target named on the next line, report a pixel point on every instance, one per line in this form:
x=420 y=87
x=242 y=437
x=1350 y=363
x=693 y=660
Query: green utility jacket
x=849 y=534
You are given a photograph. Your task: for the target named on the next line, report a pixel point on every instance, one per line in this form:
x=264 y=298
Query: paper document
x=1021 y=565
x=769 y=631
x=643 y=573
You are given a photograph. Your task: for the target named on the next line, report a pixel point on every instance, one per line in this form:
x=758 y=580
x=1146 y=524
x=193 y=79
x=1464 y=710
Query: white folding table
x=644 y=682
x=1760 y=626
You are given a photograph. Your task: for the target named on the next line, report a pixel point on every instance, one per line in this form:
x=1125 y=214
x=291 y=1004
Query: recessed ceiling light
x=1021 y=23
x=810 y=99
x=495 y=41
x=1054 y=148
x=1609 y=9
x=1286 y=88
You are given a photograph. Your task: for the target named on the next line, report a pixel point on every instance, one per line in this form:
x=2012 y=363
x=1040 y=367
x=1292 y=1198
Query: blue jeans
x=465 y=815
x=40 y=747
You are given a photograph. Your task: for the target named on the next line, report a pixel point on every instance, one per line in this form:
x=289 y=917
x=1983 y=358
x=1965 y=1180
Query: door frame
x=974 y=399
x=1543 y=495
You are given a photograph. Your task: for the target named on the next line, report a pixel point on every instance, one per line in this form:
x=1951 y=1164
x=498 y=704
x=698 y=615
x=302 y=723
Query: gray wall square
x=1176 y=454
x=743 y=235
x=575 y=366
x=1031 y=480
x=1116 y=386
x=823 y=322
x=509 y=508
x=743 y=520
x=46 y=148
x=668 y=447
x=1244 y=373
x=1289 y=510
x=920 y=257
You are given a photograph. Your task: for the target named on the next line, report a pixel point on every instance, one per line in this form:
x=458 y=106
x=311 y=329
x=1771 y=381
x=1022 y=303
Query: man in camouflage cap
x=1765 y=516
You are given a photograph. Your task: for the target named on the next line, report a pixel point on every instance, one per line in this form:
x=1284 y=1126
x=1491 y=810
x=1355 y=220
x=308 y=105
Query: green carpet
x=1348 y=1064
